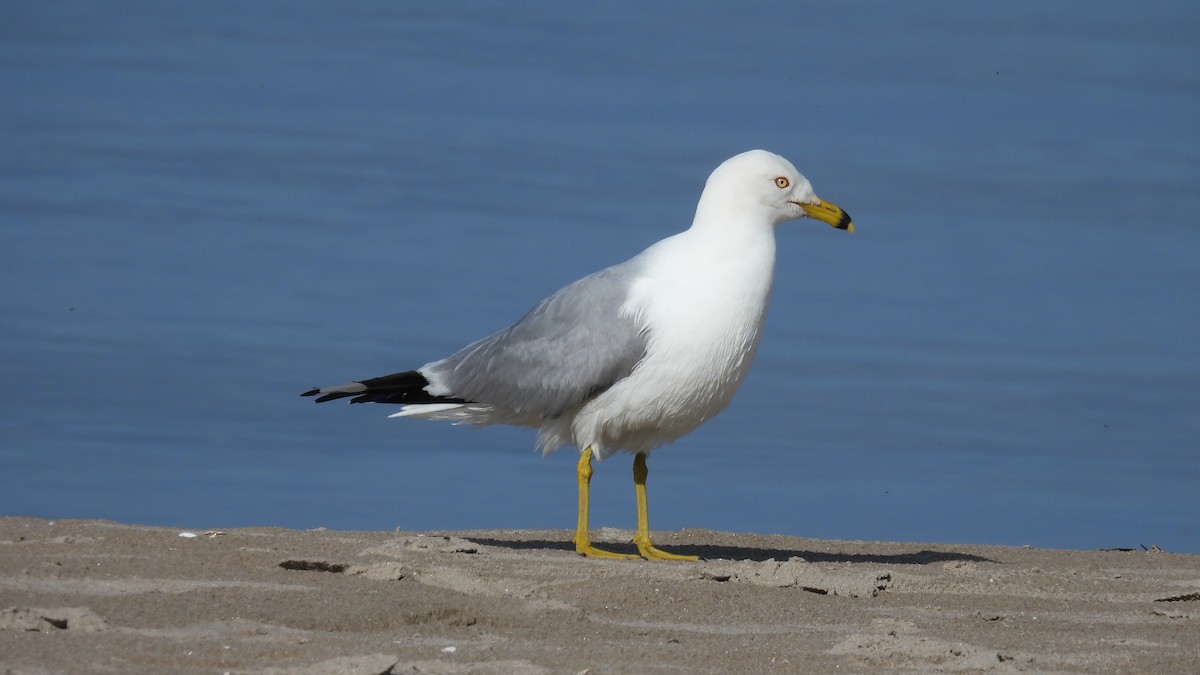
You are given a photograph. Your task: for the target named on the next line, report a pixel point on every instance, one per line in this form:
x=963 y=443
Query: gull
x=633 y=356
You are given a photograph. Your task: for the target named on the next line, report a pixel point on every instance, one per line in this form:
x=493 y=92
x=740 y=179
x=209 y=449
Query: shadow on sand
x=712 y=552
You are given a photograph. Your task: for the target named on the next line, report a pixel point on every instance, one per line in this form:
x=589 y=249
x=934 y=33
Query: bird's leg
x=642 y=536
x=583 y=545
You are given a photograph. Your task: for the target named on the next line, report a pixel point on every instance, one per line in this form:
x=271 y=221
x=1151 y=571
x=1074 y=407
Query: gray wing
x=570 y=347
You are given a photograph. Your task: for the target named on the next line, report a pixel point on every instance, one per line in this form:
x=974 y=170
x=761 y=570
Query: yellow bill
x=829 y=213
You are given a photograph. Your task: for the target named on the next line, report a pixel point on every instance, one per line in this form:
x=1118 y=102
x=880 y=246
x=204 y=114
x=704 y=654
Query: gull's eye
x=782 y=183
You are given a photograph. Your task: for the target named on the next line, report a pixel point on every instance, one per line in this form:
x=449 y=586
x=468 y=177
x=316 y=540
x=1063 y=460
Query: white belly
x=704 y=326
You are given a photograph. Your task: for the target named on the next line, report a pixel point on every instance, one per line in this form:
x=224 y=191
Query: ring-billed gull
x=635 y=355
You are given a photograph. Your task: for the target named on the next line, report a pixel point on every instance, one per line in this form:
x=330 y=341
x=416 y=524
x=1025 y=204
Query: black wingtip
x=404 y=388
x=326 y=397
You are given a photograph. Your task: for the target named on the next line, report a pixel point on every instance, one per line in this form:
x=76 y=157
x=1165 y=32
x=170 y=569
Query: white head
x=761 y=184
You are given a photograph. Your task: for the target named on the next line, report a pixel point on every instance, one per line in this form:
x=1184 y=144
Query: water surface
x=205 y=212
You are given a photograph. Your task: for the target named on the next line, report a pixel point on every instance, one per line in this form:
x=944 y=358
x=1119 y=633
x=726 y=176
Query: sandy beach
x=95 y=596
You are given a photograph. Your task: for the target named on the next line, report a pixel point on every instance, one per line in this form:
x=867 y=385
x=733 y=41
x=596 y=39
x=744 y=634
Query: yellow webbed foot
x=583 y=544
x=649 y=552
x=642 y=536
x=586 y=549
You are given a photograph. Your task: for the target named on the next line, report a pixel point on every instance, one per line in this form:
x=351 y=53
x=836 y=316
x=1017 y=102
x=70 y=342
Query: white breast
x=703 y=302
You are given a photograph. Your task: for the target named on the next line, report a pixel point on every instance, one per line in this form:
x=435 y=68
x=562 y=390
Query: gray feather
x=570 y=347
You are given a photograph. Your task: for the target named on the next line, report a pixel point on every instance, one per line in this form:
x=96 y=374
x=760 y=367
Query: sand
x=103 y=597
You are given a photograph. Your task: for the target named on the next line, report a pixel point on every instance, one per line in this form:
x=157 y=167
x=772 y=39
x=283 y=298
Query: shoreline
x=99 y=596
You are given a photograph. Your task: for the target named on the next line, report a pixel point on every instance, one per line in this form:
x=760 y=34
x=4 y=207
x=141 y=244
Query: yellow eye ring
x=782 y=183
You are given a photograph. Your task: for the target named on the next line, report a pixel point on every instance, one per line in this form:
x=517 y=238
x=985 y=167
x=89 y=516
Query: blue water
x=206 y=209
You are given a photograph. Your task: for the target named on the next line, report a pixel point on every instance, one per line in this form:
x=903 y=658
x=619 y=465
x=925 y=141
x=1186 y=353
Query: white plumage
x=635 y=355
x=699 y=298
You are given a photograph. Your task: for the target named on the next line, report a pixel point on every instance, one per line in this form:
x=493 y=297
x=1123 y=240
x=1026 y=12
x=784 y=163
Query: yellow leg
x=583 y=544
x=642 y=536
